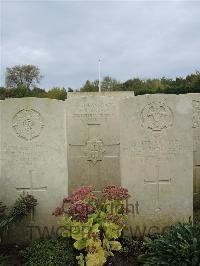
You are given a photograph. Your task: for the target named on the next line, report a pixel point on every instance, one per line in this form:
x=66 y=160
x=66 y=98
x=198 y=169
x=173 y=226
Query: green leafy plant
x=4 y=260
x=94 y=223
x=130 y=247
x=128 y=254
x=2 y=210
x=178 y=246
x=22 y=207
x=49 y=252
x=9 y=254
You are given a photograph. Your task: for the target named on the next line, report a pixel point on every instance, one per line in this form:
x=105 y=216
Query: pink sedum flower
x=115 y=192
x=80 y=210
x=80 y=194
x=58 y=211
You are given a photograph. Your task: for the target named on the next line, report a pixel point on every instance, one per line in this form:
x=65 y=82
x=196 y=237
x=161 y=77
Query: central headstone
x=156 y=159
x=93 y=138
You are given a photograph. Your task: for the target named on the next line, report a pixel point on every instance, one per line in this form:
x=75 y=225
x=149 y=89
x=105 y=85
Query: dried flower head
x=116 y=219
x=58 y=211
x=80 y=194
x=80 y=210
x=115 y=192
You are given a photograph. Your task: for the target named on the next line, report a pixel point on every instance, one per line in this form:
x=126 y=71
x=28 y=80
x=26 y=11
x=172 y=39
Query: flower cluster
x=58 y=211
x=80 y=194
x=82 y=203
x=116 y=219
x=115 y=192
x=80 y=210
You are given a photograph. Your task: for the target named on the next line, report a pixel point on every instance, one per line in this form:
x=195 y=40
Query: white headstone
x=33 y=155
x=93 y=138
x=156 y=160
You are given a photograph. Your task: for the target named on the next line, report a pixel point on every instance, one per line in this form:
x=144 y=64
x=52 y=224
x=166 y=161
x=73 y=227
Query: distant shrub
x=57 y=93
x=180 y=246
x=48 y=252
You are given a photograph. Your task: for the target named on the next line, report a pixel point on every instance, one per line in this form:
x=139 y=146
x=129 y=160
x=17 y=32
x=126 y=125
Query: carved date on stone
x=156 y=116
x=27 y=124
x=94 y=150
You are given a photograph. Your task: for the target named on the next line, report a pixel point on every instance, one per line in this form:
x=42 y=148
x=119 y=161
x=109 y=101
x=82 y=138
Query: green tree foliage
x=22 y=75
x=37 y=92
x=89 y=86
x=109 y=84
x=69 y=89
x=57 y=93
x=149 y=86
x=137 y=85
x=179 y=85
x=21 y=91
x=190 y=84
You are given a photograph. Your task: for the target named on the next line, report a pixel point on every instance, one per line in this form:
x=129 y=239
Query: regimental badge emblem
x=28 y=124
x=94 y=150
x=157 y=116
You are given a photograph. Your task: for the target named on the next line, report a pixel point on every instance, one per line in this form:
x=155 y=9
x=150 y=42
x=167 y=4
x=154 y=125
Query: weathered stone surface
x=196 y=140
x=33 y=156
x=93 y=139
x=103 y=93
x=156 y=159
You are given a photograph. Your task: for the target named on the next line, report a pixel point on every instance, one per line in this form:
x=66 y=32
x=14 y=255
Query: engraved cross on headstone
x=158 y=182
x=31 y=189
x=94 y=149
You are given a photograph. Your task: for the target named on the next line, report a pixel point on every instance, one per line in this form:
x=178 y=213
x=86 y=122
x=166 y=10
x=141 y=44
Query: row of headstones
x=144 y=143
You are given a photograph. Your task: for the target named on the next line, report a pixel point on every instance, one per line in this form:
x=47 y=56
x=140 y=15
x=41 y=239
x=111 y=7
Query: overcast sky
x=65 y=39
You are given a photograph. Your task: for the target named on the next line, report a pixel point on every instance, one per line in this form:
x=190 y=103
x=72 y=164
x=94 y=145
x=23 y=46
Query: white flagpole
x=99 y=75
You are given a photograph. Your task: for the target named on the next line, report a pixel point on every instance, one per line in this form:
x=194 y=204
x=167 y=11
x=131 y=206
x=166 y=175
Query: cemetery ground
x=179 y=245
